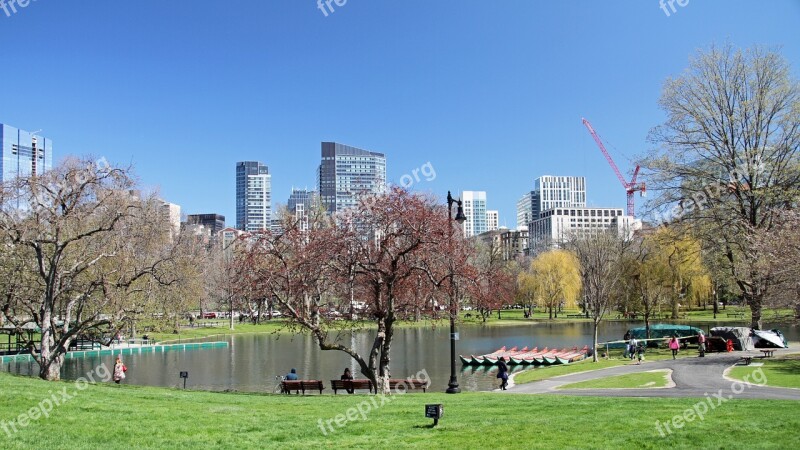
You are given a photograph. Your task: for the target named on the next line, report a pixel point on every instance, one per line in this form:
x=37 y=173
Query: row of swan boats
x=527 y=356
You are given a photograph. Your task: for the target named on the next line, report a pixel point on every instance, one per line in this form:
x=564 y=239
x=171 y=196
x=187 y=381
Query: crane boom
x=605 y=153
x=630 y=186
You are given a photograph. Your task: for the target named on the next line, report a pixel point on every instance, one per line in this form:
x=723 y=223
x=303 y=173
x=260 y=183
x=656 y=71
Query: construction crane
x=630 y=186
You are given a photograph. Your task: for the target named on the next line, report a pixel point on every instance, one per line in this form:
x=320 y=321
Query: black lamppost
x=452 y=386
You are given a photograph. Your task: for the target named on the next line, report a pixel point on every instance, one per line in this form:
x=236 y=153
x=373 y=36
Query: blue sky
x=491 y=93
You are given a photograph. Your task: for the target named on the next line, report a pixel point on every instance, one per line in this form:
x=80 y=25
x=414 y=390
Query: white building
x=253 y=196
x=556 y=226
x=525 y=210
x=474 y=204
x=551 y=192
x=173 y=214
x=492 y=220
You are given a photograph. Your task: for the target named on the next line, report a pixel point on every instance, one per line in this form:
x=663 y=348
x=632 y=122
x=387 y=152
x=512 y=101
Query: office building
x=525 y=210
x=557 y=192
x=492 y=220
x=172 y=212
x=347 y=172
x=23 y=153
x=214 y=223
x=253 y=196
x=556 y=226
x=301 y=204
x=474 y=204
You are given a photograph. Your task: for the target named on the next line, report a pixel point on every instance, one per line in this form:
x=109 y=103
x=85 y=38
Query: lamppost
x=452 y=386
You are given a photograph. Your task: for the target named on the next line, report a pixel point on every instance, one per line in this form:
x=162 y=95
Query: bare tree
x=82 y=244
x=602 y=271
x=728 y=156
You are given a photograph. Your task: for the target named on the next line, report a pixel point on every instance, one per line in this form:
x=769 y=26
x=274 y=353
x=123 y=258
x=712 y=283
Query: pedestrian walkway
x=693 y=377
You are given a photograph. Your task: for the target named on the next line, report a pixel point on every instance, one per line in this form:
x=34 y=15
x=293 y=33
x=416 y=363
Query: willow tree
x=556 y=280
x=728 y=156
x=649 y=277
x=83 y=247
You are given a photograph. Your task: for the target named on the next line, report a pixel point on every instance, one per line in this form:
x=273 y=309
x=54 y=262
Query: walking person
x=701 y=344
x=119 y=370
x=674 y=346
x=502 y=373
x=632 y=344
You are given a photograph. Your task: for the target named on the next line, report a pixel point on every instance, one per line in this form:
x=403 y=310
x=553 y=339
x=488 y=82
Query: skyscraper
x=253 y=196
x=214 y=223
x=474 y=203
x=525 y=210
x=23 y=153
x=557 y=192
x=347 y=172
x=301 y=203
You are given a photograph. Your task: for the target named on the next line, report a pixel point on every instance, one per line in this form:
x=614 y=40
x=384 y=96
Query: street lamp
x=452 y=386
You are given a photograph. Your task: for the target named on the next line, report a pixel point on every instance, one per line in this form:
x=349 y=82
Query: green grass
x=654 y=379
x=616 y=359
x=109 y=416
x=779 y=372
x=200 y=332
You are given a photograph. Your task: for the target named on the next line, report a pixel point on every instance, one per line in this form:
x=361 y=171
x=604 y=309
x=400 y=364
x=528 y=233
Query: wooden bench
x=350 y=385
x=287 y=386
x=736 y=314
x=394 y=383
x=768 y=353
x=746 y=360
x=580 y=316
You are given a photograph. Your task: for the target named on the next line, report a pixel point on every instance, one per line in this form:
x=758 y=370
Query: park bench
x=768 y=353
x=736 y=314
x=579 y=316
x=351 y=385
x=287 y=386
x=746 y=360
x=394 y=383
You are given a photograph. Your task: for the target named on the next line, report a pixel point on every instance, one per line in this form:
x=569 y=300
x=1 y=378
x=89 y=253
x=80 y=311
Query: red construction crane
x=630 y=186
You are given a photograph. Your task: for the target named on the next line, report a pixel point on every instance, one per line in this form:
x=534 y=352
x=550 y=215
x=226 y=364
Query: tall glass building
x=474 y=203
x=253 y=196
x=557 y=192
x=347 y=172
x=23 y=153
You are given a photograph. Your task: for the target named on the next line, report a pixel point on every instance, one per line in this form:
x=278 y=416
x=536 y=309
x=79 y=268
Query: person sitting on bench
x=292 y=375
x=348 y=376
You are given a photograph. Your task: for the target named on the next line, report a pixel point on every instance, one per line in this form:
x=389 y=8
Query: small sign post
x=434 y=412
x=184 y=375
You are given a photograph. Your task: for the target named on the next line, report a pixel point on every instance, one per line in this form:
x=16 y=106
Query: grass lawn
x=110 y=416
x=547 y=372
x=779 y=372
x=654 y=379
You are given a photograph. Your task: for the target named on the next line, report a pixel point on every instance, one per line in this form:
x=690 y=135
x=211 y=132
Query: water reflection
x=251 y=362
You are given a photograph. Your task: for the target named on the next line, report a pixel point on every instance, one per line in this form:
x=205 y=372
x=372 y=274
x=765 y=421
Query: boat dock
x=127 y=350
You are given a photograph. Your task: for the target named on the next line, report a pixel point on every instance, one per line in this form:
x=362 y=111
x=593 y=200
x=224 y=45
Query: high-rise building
x=474 y=203
x=301 y=203
x=23 y=153
x=172 y=213
x=525 y=210
x=492 y=220
x=253 y=196
x=213 y=223
x=557 y=192
x=347 y=172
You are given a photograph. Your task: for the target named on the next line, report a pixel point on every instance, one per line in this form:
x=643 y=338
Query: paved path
x=693 y=377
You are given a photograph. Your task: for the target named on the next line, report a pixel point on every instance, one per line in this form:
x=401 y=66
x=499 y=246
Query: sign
x=454 y=336
x=434 y=412
x=184 y=374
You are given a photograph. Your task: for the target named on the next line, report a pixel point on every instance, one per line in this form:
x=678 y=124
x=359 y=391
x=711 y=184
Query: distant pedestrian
x=632 y=344
x=701 y=344
x=119 y=370
x=348 y=376
x=674 y=346
x=502 y=373
x=639 y=353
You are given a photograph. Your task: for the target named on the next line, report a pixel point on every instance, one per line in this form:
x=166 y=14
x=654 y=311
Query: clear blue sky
x=491 y=93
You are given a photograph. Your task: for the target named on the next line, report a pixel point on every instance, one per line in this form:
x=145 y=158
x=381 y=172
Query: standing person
x=348 y=376
x=119 y=370
x=627 y=339
x=503 y=373
x=632 y=344
x=674 y=345
x=292 y=375
x=701 y=344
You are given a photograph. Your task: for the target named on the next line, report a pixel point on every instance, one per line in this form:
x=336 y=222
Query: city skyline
x=491 y=96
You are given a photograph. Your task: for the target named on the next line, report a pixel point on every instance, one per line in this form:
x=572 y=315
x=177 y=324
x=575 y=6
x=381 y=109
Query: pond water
x=251 y=362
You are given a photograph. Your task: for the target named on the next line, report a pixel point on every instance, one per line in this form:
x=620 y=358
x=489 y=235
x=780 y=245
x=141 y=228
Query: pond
x=251 y=362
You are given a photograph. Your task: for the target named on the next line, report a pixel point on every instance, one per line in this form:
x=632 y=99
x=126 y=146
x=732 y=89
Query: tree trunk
x=755 y=302
x=550 y=311
x=594 y=340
